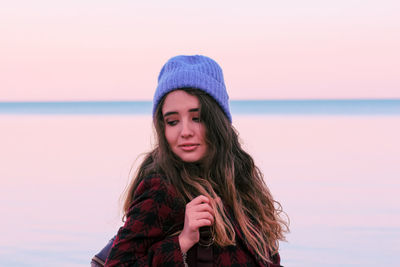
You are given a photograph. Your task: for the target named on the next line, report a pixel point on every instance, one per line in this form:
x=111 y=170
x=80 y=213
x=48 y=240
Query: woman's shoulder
x=154 y=181
x=156 y=186
x=157 y=198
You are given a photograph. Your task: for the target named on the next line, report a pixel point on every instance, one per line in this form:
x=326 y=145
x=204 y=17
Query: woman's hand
x=198 y=213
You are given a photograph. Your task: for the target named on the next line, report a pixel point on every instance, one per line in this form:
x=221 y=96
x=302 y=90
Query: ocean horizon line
x=262 y=107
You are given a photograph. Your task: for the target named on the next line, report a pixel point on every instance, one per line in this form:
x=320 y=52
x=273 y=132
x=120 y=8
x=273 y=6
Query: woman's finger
x=203 y=207
x=202 y=222
x=203 y=215
x=199 y=199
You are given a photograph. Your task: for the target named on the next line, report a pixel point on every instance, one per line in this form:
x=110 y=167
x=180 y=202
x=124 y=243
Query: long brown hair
x=227 y=172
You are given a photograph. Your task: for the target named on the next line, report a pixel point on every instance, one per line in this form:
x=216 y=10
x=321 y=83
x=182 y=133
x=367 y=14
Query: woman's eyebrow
x=175 y=112
x=170 y=113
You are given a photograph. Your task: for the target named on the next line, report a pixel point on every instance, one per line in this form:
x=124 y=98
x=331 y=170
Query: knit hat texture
x=196 y=71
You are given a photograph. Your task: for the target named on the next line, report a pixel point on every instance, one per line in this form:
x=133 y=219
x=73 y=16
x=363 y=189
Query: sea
x=333 y=165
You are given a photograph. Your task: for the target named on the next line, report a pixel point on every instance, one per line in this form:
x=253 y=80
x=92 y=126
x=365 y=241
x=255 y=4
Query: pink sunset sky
x=113 y=50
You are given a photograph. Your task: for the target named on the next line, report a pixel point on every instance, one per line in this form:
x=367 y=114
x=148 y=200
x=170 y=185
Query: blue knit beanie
x=198 y=72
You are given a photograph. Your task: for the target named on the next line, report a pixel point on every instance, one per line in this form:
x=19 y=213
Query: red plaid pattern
x=147 y=237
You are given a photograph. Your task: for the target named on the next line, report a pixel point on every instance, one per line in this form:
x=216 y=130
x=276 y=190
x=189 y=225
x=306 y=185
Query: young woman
x=197 y=198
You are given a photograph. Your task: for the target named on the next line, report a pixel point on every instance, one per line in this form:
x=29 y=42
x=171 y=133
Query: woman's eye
x=172 y=123
x=196 y=119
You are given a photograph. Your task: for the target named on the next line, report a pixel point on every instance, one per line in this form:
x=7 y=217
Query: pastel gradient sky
x=113 y=50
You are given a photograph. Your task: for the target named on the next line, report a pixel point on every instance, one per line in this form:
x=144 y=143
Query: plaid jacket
x=147 y=238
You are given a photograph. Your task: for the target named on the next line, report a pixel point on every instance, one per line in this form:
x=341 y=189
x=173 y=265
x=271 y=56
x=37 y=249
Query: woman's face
x=184 y=132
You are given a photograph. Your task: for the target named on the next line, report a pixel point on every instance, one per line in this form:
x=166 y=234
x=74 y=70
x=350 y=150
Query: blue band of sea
x=245 y=107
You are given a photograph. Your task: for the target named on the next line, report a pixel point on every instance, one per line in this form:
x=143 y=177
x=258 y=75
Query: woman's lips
x=188 y=147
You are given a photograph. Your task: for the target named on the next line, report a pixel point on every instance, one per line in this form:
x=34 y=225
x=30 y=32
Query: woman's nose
x=187 y=130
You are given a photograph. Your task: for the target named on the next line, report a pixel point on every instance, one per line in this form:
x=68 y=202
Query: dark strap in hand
x=201 y=254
